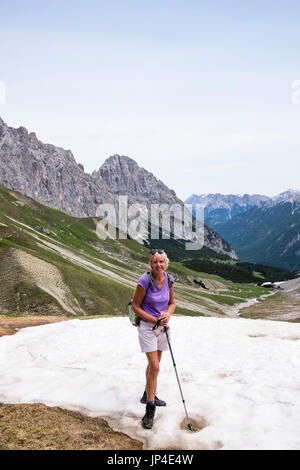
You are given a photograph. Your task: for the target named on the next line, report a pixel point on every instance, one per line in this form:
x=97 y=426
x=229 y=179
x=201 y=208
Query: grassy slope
x=36 y=427
x=102 y=277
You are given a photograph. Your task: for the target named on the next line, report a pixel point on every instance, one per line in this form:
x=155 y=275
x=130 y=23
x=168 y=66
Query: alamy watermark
x=2 y=92
x=295 y=96
x=158 y=221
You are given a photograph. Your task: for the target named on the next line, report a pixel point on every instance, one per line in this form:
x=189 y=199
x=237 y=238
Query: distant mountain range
x=52 y=176
x=256 y=228
x=219 y=208
x=261 y=229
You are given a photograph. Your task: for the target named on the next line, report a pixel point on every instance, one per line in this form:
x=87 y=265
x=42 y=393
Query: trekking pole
x=189 y=425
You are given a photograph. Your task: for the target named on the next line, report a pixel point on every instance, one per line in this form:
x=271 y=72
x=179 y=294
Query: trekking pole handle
x=156 y=325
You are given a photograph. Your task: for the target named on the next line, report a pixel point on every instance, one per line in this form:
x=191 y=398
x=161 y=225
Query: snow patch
x=239 y=377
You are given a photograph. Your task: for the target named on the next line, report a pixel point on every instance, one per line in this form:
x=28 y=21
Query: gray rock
x=52 y=176
x=125 y=177
x=48 y=174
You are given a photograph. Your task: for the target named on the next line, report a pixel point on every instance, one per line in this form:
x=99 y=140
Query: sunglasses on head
x=153 y=252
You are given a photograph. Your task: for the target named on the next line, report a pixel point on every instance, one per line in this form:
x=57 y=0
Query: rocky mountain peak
x=291 y=195
x=124 y=176
x=52 y=176
x=48 y=174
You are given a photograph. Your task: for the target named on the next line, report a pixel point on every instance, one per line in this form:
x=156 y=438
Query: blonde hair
x=166 y=259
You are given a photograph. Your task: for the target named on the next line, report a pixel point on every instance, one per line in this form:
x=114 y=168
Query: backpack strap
x=170 y=280
x=150 y=280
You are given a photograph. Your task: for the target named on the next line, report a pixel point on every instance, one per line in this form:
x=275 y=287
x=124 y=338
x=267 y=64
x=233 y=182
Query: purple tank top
x=156 y=300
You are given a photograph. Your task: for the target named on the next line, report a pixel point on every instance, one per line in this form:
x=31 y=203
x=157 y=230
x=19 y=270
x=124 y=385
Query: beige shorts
x=152 y=340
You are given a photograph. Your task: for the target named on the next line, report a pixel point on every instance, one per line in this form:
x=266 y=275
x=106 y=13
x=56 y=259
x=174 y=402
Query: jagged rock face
x=124 y=176
x=291 y=195
x=48 y=174
x=51 y=176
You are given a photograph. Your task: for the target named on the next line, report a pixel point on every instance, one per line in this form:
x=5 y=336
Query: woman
x=154 y=305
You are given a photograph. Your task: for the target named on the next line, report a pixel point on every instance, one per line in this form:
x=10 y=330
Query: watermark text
x=157 y=221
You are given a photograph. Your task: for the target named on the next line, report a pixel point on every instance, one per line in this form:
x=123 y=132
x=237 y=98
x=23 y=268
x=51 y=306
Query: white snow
x=242 y=376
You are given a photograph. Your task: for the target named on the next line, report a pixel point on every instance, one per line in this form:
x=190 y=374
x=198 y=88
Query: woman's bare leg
x=152 y=371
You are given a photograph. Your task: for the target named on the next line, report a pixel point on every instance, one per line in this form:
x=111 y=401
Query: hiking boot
x=158 y=402
x=147 y=420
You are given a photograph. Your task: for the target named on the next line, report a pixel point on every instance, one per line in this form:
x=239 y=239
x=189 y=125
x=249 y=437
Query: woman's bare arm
x=165 y=316
x=137 y=302
x=172 y=304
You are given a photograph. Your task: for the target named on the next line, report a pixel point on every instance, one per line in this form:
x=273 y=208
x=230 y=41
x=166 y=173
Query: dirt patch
x=257 y=336
x=10 y=325
x=282 y=306
x=28 y=284
x=48 y=278
x=37 y=427
x=197 y=422
x=291 y=338
x=224 y=376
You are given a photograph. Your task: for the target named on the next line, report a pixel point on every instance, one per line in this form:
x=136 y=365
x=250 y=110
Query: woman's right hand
x=164 y=318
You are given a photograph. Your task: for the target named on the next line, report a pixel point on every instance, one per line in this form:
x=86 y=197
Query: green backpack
x=133 y=317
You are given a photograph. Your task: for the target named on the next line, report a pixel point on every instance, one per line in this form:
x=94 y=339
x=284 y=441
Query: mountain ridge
x=266 y=231
x=52 y=176
x=269 y=234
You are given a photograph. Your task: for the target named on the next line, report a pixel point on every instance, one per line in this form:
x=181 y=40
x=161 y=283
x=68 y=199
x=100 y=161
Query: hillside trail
x=284 y=305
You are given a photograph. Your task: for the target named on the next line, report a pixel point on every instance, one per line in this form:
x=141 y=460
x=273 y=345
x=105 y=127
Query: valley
x=260 y=229
x=54 y=264
x=284 y=305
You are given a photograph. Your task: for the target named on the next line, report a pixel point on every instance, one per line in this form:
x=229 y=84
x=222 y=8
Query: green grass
x=29 y=297
x=11 y=315
x=98 y=294
x=95 y=293
x=189 y=313
x=223 y=299
x=248 y=291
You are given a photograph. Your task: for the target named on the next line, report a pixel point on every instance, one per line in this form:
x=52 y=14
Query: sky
x=205 y=95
